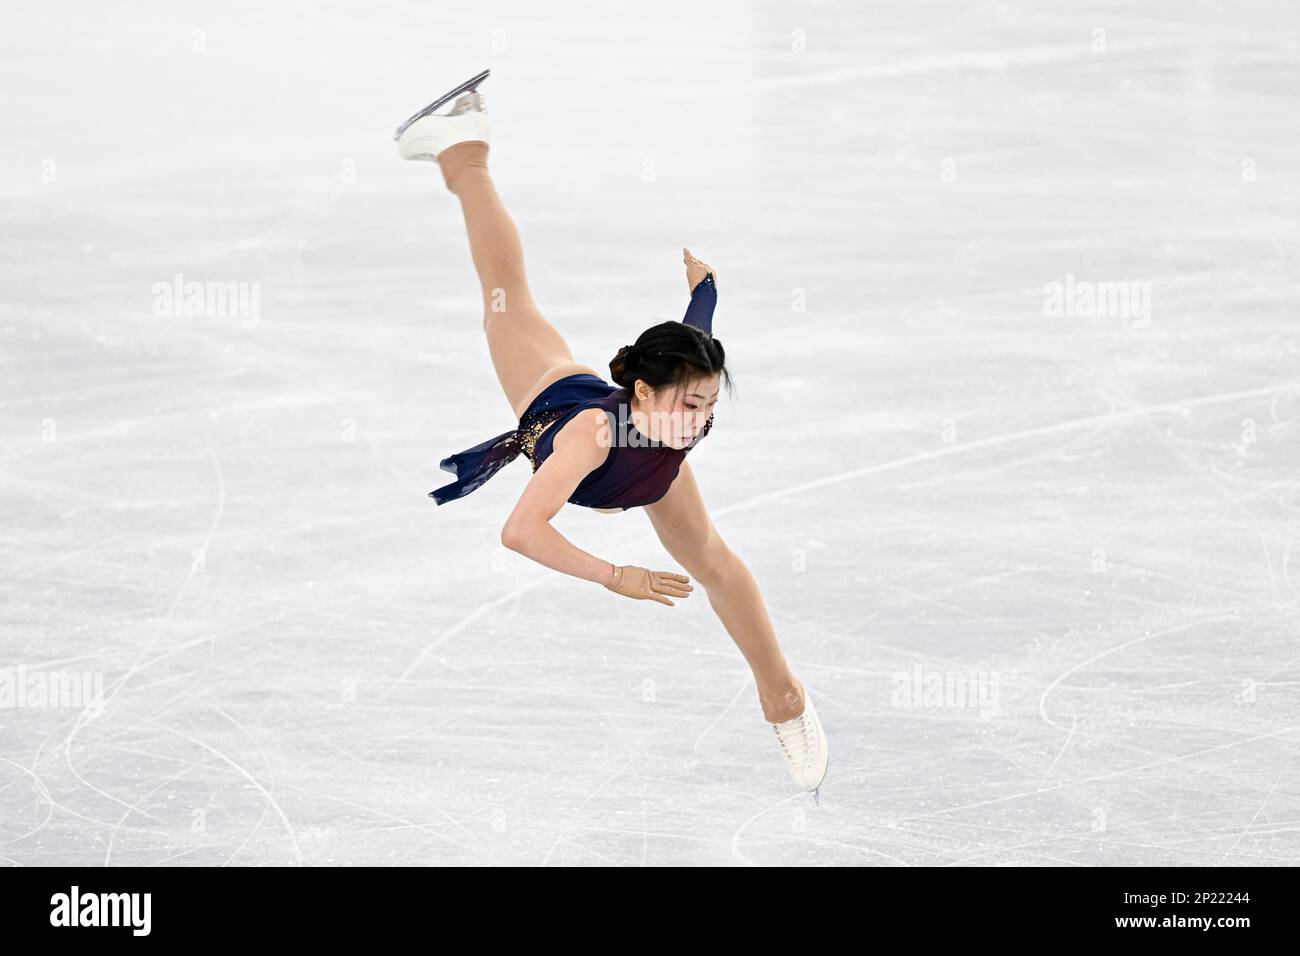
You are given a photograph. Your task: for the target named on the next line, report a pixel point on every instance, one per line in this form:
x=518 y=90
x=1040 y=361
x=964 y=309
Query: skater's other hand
x=695 y=269
x=642 y=584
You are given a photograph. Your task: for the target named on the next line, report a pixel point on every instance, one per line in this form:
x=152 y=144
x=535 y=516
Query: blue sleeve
x=703 y=298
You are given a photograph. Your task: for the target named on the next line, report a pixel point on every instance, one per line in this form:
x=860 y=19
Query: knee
x=494 y=310
x=710 y=564
x=507 y=295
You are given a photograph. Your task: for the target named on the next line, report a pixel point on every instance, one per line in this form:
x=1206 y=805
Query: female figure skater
x=602 y=446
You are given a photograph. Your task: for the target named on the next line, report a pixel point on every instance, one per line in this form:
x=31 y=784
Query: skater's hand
x=695 y=269
x=643 y=584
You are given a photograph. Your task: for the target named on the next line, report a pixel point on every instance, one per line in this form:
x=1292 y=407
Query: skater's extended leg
x=523 y=344
x=687 y=533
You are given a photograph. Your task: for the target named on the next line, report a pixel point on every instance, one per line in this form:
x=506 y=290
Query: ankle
x=463 y=162
x=782 y=701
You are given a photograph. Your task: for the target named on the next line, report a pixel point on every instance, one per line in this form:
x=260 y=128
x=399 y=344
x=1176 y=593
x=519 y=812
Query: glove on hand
x=642 y=584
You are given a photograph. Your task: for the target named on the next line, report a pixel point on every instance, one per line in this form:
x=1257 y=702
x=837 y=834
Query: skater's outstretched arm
x=704 y=293
x=578 y=450
x=528 y=529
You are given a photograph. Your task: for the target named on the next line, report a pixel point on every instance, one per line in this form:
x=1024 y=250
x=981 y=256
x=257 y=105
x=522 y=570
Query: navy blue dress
x=637 y=471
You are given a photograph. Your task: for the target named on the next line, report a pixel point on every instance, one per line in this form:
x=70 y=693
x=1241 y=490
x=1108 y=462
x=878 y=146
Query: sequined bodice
x=636 y=471
x=531 y=428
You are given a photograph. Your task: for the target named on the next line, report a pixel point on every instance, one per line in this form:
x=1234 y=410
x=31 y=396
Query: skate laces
x=800 y=737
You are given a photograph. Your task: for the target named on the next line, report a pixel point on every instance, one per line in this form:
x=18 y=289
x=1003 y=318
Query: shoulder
x=585 y=436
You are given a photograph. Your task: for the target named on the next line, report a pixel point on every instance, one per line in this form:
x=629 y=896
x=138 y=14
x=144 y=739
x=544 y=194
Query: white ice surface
x=921 y=469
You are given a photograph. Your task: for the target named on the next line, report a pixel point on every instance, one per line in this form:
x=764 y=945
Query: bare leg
x=523 y=344
x=734 y=596
x=687 y=533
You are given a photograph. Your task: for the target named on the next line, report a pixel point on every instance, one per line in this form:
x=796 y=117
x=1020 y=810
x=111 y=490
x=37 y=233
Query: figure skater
x=609 y=447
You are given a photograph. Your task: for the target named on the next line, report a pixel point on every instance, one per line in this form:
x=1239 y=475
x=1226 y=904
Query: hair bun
x=621 y=366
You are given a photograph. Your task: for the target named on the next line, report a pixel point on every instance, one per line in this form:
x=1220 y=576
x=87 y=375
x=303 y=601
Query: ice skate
x=467 y=87
x=428 y=133
x=804 y=745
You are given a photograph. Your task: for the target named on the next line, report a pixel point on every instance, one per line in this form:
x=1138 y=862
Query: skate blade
x=467 y=87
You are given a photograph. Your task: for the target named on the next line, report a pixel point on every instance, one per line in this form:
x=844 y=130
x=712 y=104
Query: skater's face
x=675 y=416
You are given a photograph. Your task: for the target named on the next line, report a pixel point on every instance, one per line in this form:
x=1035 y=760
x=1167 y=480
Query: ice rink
x=1009 y=292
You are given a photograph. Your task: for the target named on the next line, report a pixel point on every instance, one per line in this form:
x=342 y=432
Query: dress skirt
x=473 y=466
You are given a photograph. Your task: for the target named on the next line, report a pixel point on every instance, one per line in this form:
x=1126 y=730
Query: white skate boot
x=426 y=134
x=804 y=746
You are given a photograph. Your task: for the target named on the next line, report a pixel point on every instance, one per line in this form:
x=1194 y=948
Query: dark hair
x=668 y=355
